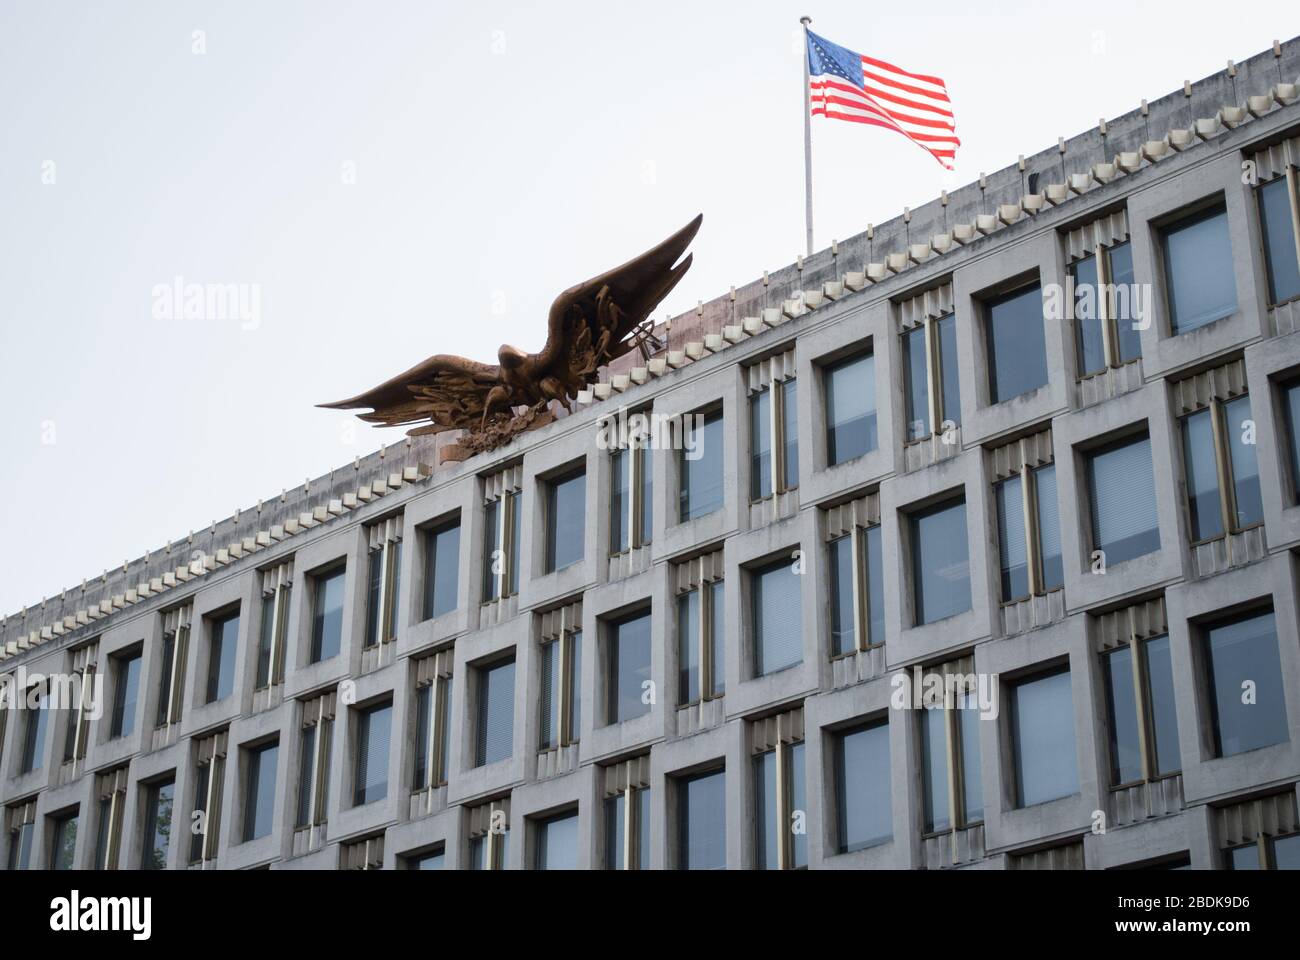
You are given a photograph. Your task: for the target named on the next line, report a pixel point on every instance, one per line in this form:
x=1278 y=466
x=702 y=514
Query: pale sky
x=499 y=155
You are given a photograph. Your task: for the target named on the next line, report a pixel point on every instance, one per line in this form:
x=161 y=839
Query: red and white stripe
x=913 y=104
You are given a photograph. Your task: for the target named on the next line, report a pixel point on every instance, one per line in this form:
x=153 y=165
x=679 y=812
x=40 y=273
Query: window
x=1105 y=320
x=1199 y=277
x=157 y=825
x=63 y=849
x=274 y=626
x=780 y=793
x=110 y=794
x=1042 y=725
x=628 y=681
x=627 y=815
x=1029 y=533
x=931 y=384
x=777 y=617
x=561 y=704
x=1221 y=471
x=259 y=790
x=773 y=426
x=1140 y=704
x=1291 y=421
x=631 y=513
x=566 y=520
x=857 y=591
x=502 y=521
x=1123 y=495
x=22 y=834
x=952 y=785
x=314 y=762
x=863 y=809
x=700 y=466
x=432 y=720
x=701 y=665
x=222 y=645
x=1279 y=223
x=702 y=821
x=209 y=776
x=77 y=734
x=374 y=732
x=940 y=565
x=441 y=569
x=1014 y=339
x=171 y=685
x=383 y=581
x=850 y=409
x=1244 y=675
x=327 y=614
x=496 y=712
x=557 y=843
x=489 y=836
x=1266 y=853
x=434 y=860
x=37 y=720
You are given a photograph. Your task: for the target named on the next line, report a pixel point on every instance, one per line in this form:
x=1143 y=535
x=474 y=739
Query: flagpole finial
x=805 y=20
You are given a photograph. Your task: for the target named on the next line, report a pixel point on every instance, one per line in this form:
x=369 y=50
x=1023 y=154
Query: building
x=1082 y=520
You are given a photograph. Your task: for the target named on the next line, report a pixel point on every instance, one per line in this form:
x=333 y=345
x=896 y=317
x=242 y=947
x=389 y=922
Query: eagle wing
x=448 y=390
x=589 y=324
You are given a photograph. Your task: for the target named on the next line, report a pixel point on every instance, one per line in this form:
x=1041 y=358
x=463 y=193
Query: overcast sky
x=496 y=156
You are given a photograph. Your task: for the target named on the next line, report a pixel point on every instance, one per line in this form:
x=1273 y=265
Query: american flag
x=849 y=86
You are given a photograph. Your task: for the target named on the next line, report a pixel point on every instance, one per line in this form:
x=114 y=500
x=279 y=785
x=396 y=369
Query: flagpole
x=807 y=135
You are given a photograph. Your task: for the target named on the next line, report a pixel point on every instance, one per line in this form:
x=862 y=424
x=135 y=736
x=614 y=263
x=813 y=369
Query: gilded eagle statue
x=589 y=325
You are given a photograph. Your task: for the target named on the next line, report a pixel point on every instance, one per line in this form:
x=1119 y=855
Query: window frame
x=1100 y=254
x=551 y=530
x=636 y=447
x=703 y=576
x=482 y=712
x=508 y=507
x=1225 y=476
x=153 y=798
x=826 y=369
x=1190 y=216
x=381 y=605
x=959 y=817
x=432 y=536
x=320 y=580
x=778 y=737
x=775 y=387
x=989 y=300
x=1030 y=516
x=564 y=641
x=273 y=632
x=1292 y=178
x=937 y=414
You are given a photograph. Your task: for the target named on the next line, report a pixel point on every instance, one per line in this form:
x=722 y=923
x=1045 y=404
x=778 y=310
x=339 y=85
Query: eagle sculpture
x=589 y=325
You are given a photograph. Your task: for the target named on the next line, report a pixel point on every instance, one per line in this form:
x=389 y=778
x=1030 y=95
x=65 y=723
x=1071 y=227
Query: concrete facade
x=1185 y=817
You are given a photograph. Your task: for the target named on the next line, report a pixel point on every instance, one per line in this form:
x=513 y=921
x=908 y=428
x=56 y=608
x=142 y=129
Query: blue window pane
x=327 y=619
x=557 y=843
x=1245 y=676
x=760 y=445
x=1087 y=318
x=620 y=529
x=1279 y=241
x=798 y=804
x=843 y=627
x=1049 y=527
x=615 y=825
x=700 y=468
x=1011 y=538
x=1245 y=469
x=1125 y=307
x=629 y=668
x=1017 y=353
x=778 y=618
x=968 y=717
x=875 y=587
x=850 y=409
x=374 y=733
x=717 y=601
x=1122 y=708
x=1291 y=416
x=442 y=570
x=1122 y=490
x=566 y=514
x=221 y=663
x=862 y=792
x=790 y=424
x=127 y=695
x=1198 y=270
x=1286 y=852
x=934 y=770
x=702 y=822
x=940 y=566
x=1201 y=466
x=766 y=827
x=950 y=389
x=1043 y=724
x=1163 y=714
x=430 y=861
x=916 y=379
x=496 y=713
x=688 y=647
x=259 y=806
x=1244 y=858
x=158 y=826
x=491 y=540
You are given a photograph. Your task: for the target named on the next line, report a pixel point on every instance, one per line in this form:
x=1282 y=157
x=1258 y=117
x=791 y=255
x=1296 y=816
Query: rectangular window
x=950 y=744
x=702 y=821
x=863 y=808
x=631 y=513
x=1290 y=397
x=566 y=521
x=931 y=388
x=1140 y=703
x=940 y=563
x=1199 y=279
x=561 y=705
x=434 y=860
x=22 y=835
x=489 y=836
x=383 y=583
x=627 y=840
x=374 y=733
x=157 y=825
x=209 y=779
x=34 y=740
x=441 y=569
x=780 y=798
x=857 y=591
x=223 y=644
x=502 y=522
x=1105 y=316
x=777 y=617
x=274 y=627
x=1123 y=496
x=1029 y=533
x=111 y=797
x=314 y=763
x=1221 y=471
x=1042 y=730
x=496 y=713
x=701 y=667
x=850 y=409
x=77 y=734
x=1241 y=655
x=1014 y=339
x=432 y=721
x=628 y=677
x=773 y=425
x=175 y=647
x=63 y=849
x=126 y=693
x=700 y=463
x=327 y=615
x=259 y=792
x=1279 y=223
x=557 y=843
